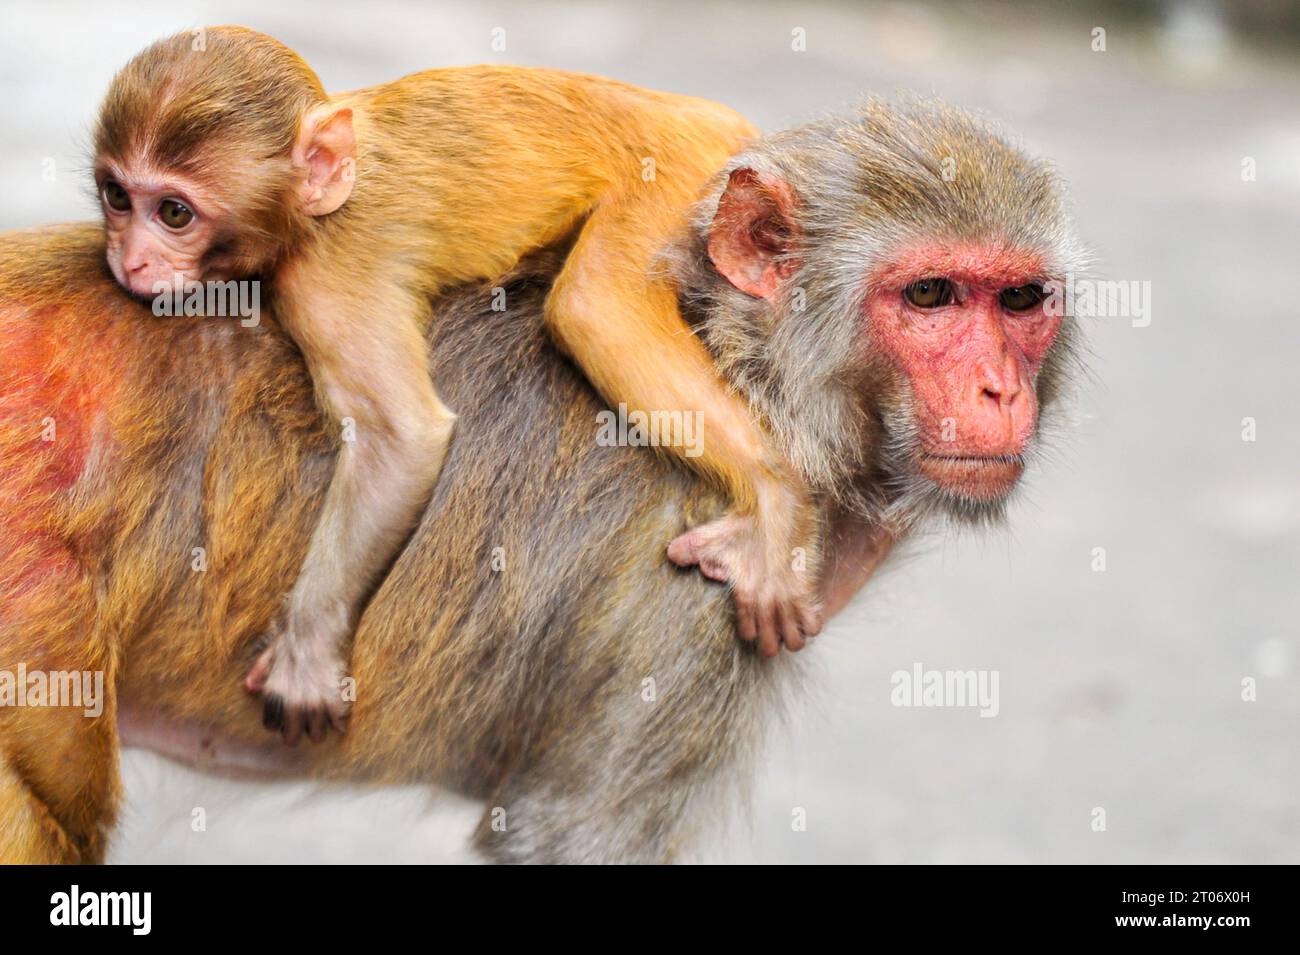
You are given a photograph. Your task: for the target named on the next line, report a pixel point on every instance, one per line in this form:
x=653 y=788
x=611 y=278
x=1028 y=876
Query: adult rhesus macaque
x=219 y=156
x=870 y=284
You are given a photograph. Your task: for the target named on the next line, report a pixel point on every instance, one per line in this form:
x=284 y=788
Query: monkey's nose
x=1002 y=403
x=999 y=384
x=1002 y=410
x=135 y=256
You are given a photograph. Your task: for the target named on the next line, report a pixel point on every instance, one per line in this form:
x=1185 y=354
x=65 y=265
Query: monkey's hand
x=302 y=689
x=764 y=556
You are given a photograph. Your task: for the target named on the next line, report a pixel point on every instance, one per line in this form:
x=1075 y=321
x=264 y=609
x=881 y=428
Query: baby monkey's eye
x=175 y=214
x=115 y=197
x=929 y=293
x=1021 y=298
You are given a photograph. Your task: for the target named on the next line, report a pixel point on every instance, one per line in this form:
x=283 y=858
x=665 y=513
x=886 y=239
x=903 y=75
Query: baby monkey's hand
x=302 y=691
x=767 y=557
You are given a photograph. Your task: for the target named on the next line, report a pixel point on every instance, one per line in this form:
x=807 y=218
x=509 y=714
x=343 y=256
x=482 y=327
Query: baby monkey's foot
x=302 y=690
x=776 y=599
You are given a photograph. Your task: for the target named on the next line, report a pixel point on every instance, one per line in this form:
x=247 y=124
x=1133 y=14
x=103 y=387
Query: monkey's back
x=466 y=169
x=531 y=637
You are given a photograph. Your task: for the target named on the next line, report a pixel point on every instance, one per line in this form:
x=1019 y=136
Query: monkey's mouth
x=977 y=477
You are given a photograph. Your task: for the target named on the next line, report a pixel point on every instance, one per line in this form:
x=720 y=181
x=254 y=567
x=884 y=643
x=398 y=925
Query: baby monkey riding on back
x=219 y=156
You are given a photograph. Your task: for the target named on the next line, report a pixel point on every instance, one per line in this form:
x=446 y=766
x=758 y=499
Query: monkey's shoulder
x=37 y=261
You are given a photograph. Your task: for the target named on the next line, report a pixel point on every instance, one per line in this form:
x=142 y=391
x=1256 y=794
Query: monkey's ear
x=327 y=150
x=754 y=234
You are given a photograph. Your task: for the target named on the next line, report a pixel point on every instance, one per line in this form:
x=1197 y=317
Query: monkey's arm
x=372 y=379
x=625 y=331
x=565 y=147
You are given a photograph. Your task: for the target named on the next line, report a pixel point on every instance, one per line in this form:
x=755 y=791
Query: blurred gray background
x=1119 y=689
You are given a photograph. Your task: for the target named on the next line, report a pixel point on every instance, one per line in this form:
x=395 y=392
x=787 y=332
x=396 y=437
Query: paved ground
x=1120 y=689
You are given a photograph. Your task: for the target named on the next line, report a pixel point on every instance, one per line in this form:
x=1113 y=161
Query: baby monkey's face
x=158 y=229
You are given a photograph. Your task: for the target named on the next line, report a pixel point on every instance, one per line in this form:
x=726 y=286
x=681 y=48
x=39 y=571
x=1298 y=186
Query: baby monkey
x=220 y=157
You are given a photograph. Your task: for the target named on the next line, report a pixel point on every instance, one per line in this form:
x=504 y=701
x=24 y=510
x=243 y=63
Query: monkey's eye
x=115 y=197
x=175 y=214
x=1021 y=298
x=929 y=293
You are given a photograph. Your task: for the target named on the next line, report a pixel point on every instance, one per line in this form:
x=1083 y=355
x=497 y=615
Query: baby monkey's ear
x=327 y=150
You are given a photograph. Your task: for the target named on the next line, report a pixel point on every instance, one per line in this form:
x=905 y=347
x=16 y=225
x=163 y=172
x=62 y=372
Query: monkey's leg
x=58 y=785
x=29 y=834
x=538 y=818
x=627 y=334
x=371 y=373
x=644 y=772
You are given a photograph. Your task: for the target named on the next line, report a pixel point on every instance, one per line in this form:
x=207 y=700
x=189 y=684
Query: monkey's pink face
x=968 y=328
x=156 y=230
x=964 y=323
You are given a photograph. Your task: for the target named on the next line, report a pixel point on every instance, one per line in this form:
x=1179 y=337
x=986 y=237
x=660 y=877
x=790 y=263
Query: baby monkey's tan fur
x=360 y=207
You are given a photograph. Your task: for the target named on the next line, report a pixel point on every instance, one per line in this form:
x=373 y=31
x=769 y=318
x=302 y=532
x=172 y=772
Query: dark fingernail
x=273 y=713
